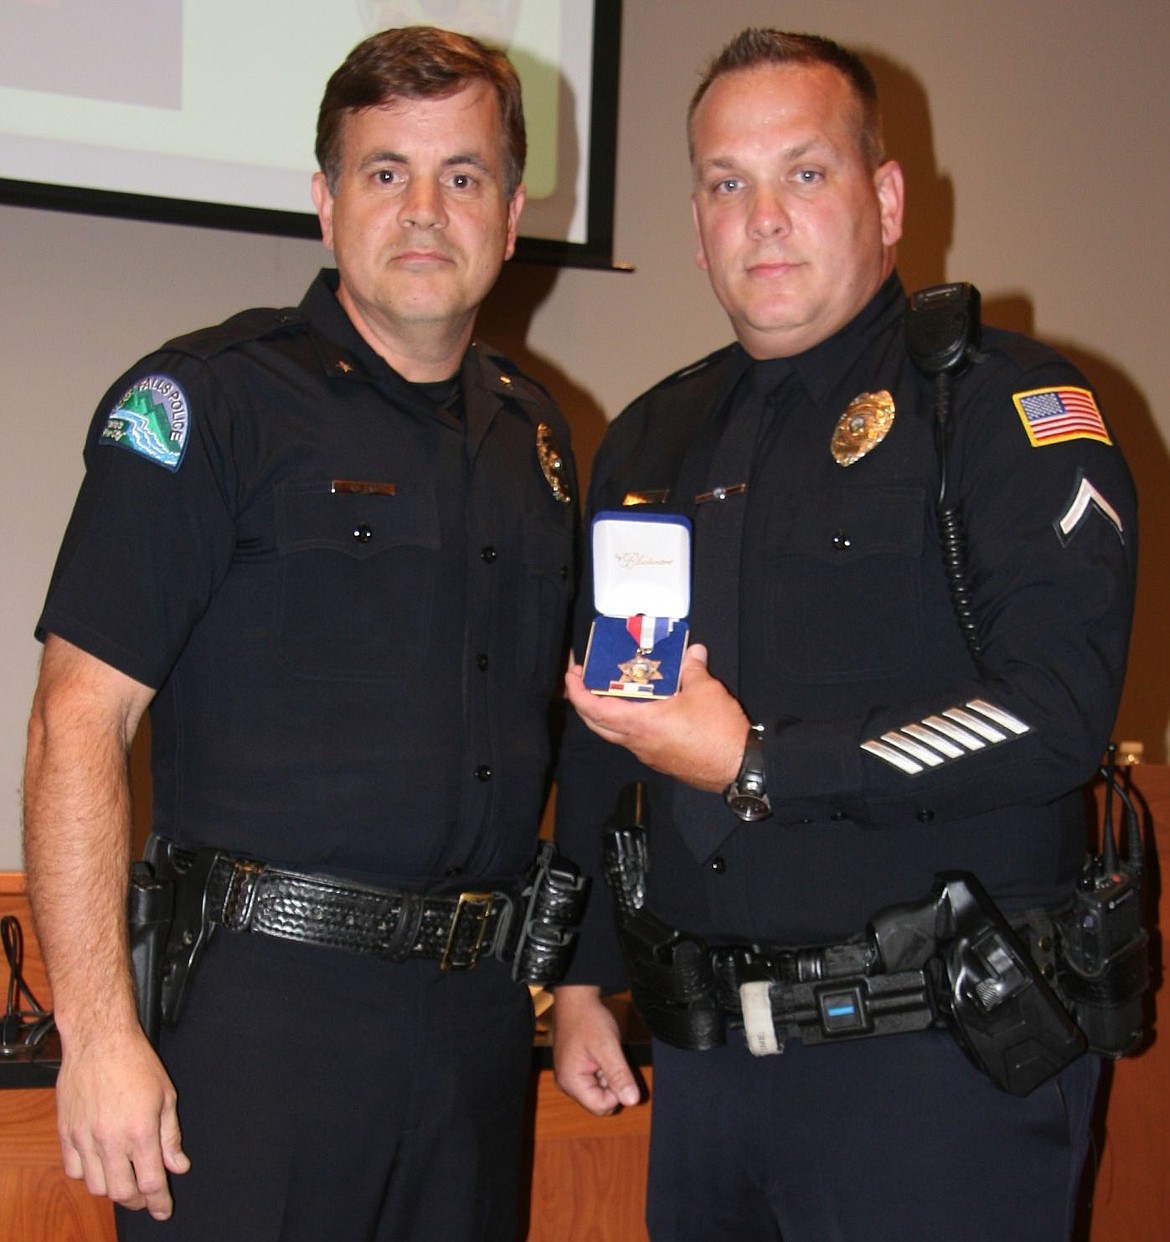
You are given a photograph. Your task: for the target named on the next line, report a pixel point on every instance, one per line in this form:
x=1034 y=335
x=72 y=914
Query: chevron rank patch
x=1086 y=500
x=1053 y=415
x=152 y=419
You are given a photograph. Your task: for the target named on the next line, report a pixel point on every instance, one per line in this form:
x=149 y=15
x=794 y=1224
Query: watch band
x=747 y=795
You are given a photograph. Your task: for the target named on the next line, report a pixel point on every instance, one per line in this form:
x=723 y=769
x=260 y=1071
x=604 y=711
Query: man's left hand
x=696 y=736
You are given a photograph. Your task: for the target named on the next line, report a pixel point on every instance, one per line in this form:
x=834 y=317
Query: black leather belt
x=458 y=929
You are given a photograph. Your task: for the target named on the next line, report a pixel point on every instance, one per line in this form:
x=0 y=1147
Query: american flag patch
x=1052 y=415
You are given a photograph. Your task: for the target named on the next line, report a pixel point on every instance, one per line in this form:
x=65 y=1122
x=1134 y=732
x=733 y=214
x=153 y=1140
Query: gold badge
x=552 y=464
x=863 y=426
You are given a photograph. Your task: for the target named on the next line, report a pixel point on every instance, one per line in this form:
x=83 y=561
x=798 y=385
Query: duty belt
x=179 y=896
x=457 y=929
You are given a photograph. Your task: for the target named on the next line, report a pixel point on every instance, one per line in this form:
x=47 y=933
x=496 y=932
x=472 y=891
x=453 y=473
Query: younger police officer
x=331 y=549
x=805 y=456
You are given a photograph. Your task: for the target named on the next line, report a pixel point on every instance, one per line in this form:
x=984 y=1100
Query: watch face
x=747 y=806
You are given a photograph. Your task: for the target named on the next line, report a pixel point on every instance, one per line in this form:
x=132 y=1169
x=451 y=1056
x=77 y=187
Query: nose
x=422 y=205
x=768 y=216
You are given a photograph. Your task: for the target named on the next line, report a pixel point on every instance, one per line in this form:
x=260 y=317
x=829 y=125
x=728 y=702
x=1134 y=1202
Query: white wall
x=1034 y=138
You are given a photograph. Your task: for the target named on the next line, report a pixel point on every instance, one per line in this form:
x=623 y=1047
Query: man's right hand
x=118 y=1122
x=588 y=1060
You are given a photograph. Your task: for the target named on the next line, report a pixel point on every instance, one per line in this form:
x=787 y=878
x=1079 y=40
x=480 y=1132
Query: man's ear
x=323 y=201
x=700 y=252
x=890 y=187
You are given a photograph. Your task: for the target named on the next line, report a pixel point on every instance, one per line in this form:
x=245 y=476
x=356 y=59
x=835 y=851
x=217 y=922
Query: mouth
x=771 y=269
x=422 y=260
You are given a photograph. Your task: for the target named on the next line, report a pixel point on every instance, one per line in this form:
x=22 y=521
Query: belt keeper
x=407 y=927
x=240 y=897
x=755 y=1000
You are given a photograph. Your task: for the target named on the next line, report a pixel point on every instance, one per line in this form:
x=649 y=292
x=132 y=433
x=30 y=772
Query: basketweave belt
x=457 y=929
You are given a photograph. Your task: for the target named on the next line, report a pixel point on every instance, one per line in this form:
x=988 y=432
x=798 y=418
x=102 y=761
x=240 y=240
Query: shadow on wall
x=505 y=320
x=928 y=229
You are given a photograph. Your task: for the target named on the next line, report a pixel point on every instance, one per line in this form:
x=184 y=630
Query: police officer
x=838 y=738
x=330 y=549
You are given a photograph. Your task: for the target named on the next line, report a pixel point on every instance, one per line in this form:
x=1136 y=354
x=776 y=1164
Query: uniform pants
x=326 y=1096
x=891 y=1139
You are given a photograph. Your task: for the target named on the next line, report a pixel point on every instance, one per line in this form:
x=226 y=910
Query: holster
x=168 y=928
x=150 y=908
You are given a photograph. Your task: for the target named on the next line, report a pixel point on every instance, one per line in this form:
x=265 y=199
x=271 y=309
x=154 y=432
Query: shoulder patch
x=152 y=418
x=1053 y=415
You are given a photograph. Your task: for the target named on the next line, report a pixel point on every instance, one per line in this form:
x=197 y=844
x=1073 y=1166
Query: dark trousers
x=894 y=1139
x=325 y=1095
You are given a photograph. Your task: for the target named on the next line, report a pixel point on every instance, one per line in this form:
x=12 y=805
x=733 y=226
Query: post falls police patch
x=152 y=419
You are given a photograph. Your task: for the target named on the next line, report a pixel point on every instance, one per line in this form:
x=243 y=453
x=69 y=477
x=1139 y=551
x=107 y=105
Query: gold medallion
x=863 y=426
x=641 y=670
x=552 y=464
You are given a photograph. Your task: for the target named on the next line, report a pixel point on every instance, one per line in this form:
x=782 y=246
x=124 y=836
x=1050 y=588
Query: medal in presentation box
x=642 y=595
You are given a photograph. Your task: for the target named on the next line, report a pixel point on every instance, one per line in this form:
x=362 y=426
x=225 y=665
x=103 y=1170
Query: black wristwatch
x=747 y=795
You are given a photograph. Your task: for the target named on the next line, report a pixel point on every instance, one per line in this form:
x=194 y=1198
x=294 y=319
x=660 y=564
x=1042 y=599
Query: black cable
x=20 y=1026
x=950 y=525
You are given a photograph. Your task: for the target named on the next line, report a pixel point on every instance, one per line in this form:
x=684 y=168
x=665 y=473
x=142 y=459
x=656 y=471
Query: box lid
x=641 y=564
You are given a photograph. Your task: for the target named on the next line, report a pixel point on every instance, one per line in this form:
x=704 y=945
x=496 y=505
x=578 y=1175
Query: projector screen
x=204 y=111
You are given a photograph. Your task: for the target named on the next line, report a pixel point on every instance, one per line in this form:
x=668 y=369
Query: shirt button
x=837 y=816
x=841 y=541
x=487 y=554
x=924 y=816
x=453 y=871
x=362 y=533
x=481 y=661
x=718 y=865
x=483 y=773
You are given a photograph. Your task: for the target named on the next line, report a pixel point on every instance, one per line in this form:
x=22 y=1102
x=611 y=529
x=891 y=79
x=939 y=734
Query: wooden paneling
x=1131 y=1202
x=589 y=1173
x=38 y=1203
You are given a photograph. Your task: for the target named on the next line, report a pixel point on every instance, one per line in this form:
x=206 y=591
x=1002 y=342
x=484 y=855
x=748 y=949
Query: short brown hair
x=419 y=62
x=755 y=47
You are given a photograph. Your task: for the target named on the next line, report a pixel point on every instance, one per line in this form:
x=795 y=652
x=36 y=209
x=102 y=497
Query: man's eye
x=728 y=185
x=386 y=176
x=462 y=181
x=808 y=176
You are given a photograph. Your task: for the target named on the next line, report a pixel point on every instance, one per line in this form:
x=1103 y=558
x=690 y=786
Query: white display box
x=642 y=597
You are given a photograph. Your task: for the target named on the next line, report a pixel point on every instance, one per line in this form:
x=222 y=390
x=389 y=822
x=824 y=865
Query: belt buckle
x=479 y=906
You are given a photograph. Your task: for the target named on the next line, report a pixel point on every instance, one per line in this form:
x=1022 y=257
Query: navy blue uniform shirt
x=352 y=604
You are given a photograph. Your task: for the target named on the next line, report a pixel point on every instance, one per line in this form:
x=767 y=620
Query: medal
x=863 y=426
x=552 y=464
x=646 y=632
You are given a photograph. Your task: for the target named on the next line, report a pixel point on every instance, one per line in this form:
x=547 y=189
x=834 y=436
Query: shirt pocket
x=844 y=586
x=357 y=578
x=545 y=595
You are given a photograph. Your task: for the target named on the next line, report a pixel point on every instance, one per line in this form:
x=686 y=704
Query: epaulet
x=692 y=369
x=1026 y=352
x=240 y=329
x=505 y=376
